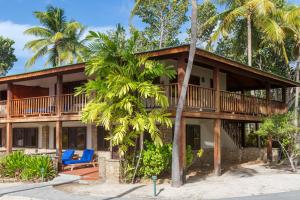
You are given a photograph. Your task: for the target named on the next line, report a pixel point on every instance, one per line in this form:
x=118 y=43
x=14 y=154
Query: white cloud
x=15 y=32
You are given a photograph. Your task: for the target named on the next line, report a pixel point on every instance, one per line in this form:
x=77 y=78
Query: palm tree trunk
x=297 y=90
x=177 y=172
x=249 y=39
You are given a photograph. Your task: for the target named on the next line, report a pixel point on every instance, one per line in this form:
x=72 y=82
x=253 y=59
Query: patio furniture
x=86 y=159
x=67 y=156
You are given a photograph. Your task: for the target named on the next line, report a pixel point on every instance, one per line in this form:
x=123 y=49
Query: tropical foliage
x=163 y=20
x=7 y=57
x=58 y=39
x=26 y=167
x=282 y=130
x=122 y=85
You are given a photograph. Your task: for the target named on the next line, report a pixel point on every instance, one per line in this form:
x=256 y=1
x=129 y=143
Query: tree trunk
x=177 y=173
x=249 y=39
x=297 y=90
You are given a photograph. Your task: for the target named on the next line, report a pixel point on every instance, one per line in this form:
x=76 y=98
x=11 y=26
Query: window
x=102 y=143
x=73 y=137
x=193 y=136
x=25 y=137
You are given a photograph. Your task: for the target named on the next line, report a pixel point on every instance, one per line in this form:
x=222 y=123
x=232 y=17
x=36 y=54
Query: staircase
x=234 y=130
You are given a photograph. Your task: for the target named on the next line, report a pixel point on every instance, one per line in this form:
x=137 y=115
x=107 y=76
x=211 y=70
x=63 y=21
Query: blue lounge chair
x=67 y=155
x=86 y=159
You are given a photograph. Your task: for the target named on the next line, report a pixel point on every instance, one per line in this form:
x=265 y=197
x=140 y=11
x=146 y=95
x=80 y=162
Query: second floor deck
x=199 y=99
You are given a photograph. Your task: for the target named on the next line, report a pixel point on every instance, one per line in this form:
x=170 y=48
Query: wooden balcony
x=200 y=99
x=44 y=106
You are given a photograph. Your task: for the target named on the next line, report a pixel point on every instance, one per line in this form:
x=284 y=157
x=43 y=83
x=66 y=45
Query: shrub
x=26 y=167
x=13 y=164
x=189 y=156
x=155 y=159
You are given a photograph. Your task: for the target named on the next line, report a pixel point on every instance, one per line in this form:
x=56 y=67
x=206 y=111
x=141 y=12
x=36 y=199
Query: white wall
x=207 y=135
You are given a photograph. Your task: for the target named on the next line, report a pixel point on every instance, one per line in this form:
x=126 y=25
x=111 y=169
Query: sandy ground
x=244 y=180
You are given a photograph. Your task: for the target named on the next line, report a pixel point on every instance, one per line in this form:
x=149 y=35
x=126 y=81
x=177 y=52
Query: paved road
x=279 y=196
x=49 y=193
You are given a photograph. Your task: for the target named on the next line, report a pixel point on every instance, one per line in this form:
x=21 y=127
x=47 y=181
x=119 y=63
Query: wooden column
x=268 y=98
x=216 y=83
x=243 y=138
x=59 y=88
x=58 y=134
x=8 y=137
x=269 y=145
x=58 y=138
x=8 y=124
x=283 y=93
x=217 y=147
x=182 y=143
x=217 y=123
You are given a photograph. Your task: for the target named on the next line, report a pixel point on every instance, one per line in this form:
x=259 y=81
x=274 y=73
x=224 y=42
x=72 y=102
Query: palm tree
x=177 y=171
x=58 y=39
x=286 y=24
x=249 y=10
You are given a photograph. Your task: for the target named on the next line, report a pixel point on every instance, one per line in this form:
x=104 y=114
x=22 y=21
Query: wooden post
x=217 y=147
x=182 y=145
x=58 y=134
x=269 y=147
x=58 y=137
x=8 y=137
x=216 y=83
x=59 y=88
x=268 y=98
x=283 y=93
x=217 y=123
x=8 y=124
x=243 y=136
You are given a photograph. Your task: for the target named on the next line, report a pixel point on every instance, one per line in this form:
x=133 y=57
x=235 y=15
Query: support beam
x=268 y=97
x=8 y=137
x=243 y=136
x=8 y=124
x=59 y=88
x=58 y=138
x=217 y=147
x=283 y=93
x=216 y=83
x=269 y=149
x=181 y=67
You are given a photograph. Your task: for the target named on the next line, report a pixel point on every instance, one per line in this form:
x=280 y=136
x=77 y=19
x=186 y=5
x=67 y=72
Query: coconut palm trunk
x=177 y=171
x=249 y=39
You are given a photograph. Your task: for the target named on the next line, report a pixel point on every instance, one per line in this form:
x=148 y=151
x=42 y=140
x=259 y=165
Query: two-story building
x=40 y=113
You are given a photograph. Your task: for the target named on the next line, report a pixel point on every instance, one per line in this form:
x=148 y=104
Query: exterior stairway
x=234 y=131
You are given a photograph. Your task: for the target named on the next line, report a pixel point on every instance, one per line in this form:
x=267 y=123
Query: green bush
x=14 y=163
x=26 y=167
x=155 y=159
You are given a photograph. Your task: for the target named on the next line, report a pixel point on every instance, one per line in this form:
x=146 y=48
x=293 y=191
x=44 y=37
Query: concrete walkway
x=61 y=179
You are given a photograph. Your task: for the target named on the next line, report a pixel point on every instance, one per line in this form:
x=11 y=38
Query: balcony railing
x=199 y=99
x=44 y=106
x=203 y=99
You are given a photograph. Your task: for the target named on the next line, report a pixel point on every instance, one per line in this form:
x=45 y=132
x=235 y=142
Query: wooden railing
x=33 y=106
x=239 y=103
x=198 y=99
x=72 y=103
x=3 y=112
x=203 y=99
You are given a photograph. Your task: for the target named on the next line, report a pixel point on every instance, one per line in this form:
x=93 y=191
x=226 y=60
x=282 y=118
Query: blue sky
x=102 y=15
